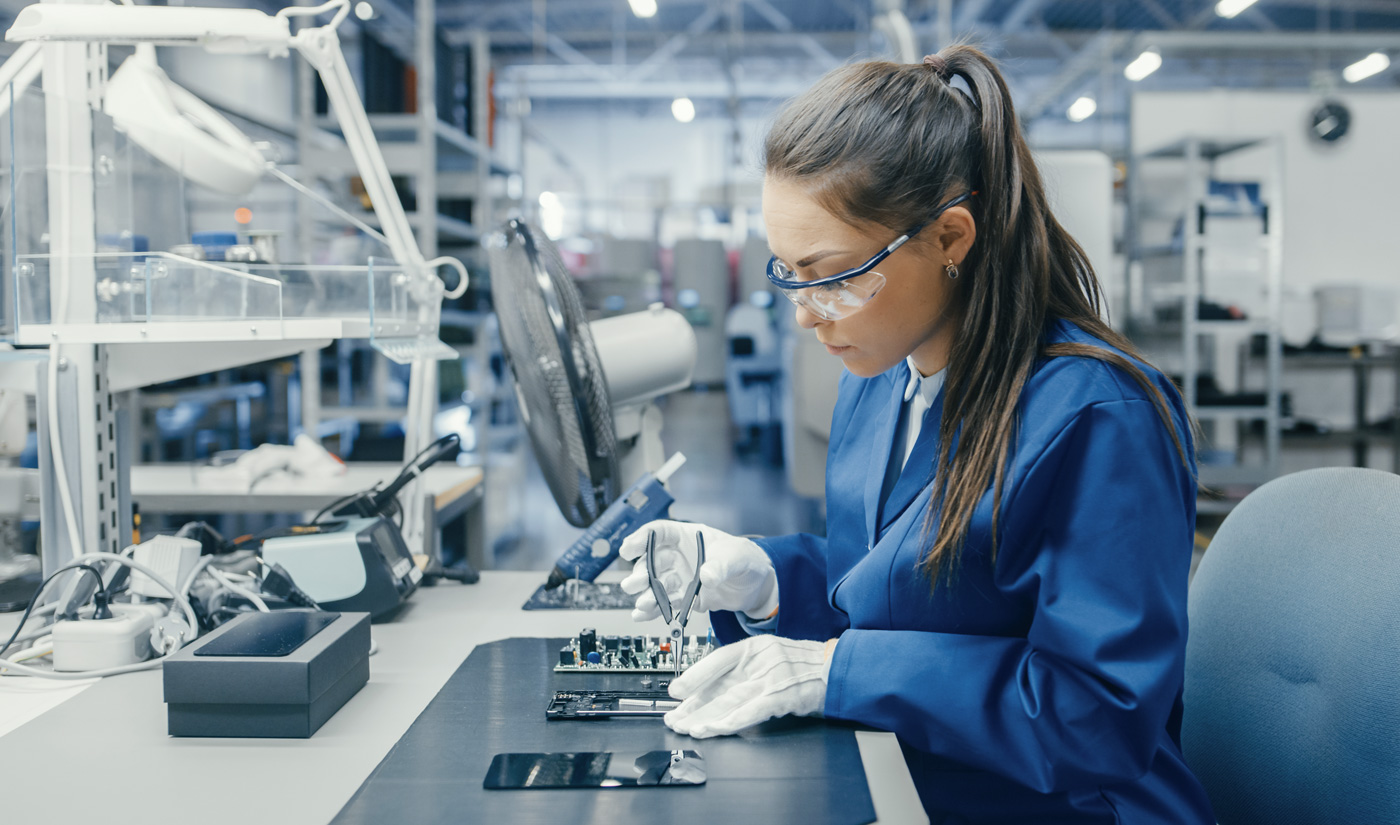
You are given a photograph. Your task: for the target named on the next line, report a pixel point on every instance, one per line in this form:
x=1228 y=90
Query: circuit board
x=581 y=595
x=590 y=653
x=601 y=704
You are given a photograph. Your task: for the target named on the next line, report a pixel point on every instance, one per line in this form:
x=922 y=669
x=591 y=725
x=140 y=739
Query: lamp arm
x=19 y=72
x=321 y=48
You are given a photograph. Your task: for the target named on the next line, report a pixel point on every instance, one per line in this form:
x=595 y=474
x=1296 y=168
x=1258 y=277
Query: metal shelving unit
x=1202 y=340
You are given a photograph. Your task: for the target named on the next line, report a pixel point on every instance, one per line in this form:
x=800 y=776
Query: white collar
x=927 y=386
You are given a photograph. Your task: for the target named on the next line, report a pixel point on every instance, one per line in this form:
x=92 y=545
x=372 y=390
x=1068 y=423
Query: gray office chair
x=1292 y=698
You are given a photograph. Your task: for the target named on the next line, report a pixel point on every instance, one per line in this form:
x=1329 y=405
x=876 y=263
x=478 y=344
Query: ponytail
x=885 y=143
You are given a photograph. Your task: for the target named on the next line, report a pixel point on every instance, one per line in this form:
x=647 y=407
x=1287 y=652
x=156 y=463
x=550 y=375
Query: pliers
x=687 y=598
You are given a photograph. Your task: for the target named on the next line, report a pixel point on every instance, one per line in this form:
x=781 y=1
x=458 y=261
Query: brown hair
x=886 y=143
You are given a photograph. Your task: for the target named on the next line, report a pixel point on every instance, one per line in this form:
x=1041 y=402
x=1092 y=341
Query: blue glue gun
x=645 y=501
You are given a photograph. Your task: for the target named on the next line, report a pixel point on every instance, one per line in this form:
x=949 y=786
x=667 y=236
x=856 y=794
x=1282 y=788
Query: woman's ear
x=956 y=230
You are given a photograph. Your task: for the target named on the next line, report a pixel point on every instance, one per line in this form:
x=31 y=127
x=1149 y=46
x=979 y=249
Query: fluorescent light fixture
x=643 y=8
x=1143 y=65
x=1372 y=63
x=364 y=10
x=1230 y=8
x=1082 y=108
x=684 y=109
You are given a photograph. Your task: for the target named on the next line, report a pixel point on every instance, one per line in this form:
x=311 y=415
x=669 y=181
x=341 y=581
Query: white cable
x=448 y=260
x=194 y=574
x=242 y=591
x=36 y=652
x=175 y=593
x=70 y=513
x=8 y=665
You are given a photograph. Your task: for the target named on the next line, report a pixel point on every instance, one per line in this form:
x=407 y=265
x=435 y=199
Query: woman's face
x=908 y=316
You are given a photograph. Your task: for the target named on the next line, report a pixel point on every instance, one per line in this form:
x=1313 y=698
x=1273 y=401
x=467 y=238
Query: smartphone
x=269 y=634
x=595 y=770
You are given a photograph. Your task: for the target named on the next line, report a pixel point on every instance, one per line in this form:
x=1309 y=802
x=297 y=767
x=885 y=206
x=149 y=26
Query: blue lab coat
x=1044 y=687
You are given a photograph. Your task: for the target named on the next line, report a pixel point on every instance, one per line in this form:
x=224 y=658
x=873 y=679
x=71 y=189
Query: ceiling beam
x=1273 y=41
x=702 y=23
x=1020 y=14
x=969 y=12
x=783 y=23
x=716 y=88
x=1102 y=46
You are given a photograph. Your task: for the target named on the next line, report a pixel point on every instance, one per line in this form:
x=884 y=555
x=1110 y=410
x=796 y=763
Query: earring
x=951 y=269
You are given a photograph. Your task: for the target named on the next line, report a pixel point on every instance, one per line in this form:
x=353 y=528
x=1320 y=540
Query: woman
x=1010 y=490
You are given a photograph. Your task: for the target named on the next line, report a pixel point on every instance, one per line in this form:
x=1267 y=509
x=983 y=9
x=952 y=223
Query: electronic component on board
x=601 y=704
x=588 y=653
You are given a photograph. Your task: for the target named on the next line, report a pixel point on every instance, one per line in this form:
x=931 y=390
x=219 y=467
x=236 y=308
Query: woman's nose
x=808 y=319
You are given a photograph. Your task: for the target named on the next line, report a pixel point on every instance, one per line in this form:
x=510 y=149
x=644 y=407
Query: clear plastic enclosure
x=99 y=250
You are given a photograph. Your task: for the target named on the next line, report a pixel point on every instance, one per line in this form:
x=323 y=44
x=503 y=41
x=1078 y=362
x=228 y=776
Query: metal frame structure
x=558 y=53
x=84 y=468
x=1197 y=154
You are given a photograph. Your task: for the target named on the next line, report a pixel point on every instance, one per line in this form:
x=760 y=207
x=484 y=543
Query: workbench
x=103 y=756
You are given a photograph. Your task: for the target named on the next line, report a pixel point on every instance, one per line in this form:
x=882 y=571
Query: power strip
x=97 y=644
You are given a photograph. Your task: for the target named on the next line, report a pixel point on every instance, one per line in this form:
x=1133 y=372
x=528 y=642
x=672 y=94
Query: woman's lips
x=837 y=350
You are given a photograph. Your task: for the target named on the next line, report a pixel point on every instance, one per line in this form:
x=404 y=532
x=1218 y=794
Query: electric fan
x=586 y=393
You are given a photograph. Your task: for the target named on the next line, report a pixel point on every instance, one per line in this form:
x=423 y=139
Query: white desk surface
x=173 y=488
x=104 y=756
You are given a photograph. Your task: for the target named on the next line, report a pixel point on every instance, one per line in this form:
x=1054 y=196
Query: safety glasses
x=840 y=295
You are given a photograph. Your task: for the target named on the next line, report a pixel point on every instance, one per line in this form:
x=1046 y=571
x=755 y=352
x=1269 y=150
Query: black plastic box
x=287 y=696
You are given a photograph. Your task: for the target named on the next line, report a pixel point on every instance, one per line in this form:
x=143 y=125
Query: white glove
x=745 y=683
x=737 y=574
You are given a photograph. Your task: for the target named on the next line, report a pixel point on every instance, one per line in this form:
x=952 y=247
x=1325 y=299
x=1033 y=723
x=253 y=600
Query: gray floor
x=739 y=492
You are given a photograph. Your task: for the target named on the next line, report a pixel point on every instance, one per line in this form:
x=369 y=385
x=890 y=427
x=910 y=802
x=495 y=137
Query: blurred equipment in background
x=592 y=430
x=1351 y=315
x=753 y=369
x=701 y=285
x=753 y=373
x=19 y=487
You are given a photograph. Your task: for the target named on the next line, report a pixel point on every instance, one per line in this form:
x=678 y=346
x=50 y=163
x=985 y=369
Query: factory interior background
x=1229 y=167
x=633 y=142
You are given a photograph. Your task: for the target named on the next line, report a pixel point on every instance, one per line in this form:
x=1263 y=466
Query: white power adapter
x=97 y=644
x=172 y=558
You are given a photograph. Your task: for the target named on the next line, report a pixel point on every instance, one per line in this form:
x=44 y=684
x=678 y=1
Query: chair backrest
x=1292 y=697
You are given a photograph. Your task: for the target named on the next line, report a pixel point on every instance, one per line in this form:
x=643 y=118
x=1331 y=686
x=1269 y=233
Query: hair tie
x=938 y=64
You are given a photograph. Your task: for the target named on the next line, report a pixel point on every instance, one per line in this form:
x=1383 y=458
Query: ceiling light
x=643 y=8
x=683 y=109
x=1365 y=67
x=1082 y=108
x=364 y=10
x=1230 y=8
x=1143 y=65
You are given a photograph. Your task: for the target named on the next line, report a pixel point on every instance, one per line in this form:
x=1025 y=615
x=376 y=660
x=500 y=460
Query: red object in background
x=491 y=108
x=733 y=255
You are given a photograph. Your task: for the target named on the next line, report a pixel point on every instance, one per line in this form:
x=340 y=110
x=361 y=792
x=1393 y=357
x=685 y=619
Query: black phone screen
x=269 y=634
x=595 y=770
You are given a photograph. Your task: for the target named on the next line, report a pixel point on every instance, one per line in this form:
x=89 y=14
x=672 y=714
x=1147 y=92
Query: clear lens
x=782 y=271
x=837 y=300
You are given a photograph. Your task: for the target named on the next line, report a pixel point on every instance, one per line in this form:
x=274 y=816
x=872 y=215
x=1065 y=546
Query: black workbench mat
x=792 y=770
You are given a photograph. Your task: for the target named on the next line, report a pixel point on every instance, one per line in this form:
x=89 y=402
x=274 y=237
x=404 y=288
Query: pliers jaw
x=681 y=613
